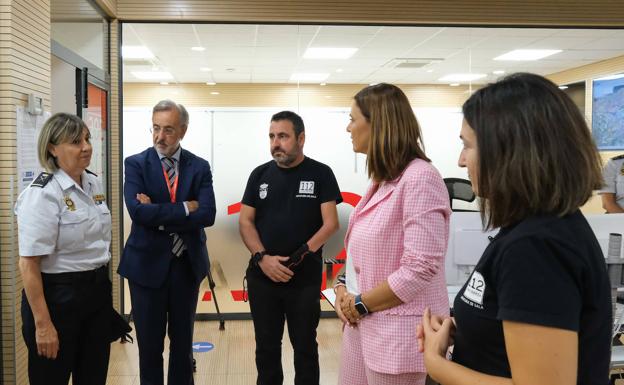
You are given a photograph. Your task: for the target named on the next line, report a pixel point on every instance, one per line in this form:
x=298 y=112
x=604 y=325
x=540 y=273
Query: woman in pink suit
x=396 y=240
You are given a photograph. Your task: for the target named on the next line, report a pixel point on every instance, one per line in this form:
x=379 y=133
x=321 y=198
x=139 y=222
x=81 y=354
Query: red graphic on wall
x=332 y=269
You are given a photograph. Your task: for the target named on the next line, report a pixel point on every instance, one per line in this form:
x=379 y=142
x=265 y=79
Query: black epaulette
x=90 y=172
x=618 y=157
x=42 y=179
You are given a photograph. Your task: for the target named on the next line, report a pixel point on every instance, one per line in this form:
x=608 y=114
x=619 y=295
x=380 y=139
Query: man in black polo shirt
x=288 y=212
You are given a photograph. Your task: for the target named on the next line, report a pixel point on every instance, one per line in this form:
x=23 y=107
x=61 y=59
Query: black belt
x=98 y=275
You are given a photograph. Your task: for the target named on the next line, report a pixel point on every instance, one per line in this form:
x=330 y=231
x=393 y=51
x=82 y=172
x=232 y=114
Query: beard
x=283 y=158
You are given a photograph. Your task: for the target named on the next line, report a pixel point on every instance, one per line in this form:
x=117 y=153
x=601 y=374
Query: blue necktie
x=169 y=165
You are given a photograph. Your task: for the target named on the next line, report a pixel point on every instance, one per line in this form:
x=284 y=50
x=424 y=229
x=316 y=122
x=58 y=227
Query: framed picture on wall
x=608 y=112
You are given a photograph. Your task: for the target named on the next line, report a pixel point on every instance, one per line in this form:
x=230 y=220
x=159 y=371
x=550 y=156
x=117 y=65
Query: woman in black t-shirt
x=537 y=307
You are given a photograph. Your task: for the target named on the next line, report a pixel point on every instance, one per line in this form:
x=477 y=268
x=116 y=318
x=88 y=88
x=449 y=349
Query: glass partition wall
x=232 y=78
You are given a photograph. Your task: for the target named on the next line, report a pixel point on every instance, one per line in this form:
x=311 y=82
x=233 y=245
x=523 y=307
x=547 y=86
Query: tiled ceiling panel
x=272 y=53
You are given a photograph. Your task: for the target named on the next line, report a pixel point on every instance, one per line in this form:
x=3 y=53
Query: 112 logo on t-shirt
x=306 y=187
x=475 y=288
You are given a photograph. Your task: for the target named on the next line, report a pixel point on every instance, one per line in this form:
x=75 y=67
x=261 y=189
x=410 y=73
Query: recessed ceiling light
x=323 y=84
x=214 y=93
x=430 y=71
x=498 y=72
x=329 y=53
x=328 y=96
x=308 y=77
x=372 y=84
x=164 y=83
x=152 y=75
x=339 y=70
x=136 y=52
x=527 y=54
x=210 y=83
x=563 y=87
x=454 y=84
x=199 y=49
x=205 y=69
x=461 y=77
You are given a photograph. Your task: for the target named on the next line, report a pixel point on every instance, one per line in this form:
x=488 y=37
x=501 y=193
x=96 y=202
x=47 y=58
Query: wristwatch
x=257 y=257
x=359 y=306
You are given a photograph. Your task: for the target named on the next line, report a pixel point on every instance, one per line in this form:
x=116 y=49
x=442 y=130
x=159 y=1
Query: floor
x=231 y=362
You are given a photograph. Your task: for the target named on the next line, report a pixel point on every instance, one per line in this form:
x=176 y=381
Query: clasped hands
x=435 y=335
x=278 y=268
x=272 y=266
x=345 y=307
x=192 y=206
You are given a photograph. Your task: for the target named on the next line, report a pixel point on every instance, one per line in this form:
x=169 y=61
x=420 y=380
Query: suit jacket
x=147 y=254
x=398 y=233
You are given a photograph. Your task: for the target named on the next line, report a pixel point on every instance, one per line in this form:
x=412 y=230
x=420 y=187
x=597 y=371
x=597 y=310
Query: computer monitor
x=603 y=225
x=467 y=241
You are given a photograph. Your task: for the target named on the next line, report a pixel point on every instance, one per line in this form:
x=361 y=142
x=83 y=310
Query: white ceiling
x=271 y=53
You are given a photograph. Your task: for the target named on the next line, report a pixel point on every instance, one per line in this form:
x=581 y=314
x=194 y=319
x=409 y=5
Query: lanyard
x=172 y=189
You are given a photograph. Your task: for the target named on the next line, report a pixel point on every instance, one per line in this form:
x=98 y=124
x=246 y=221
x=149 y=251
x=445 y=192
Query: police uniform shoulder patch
x=42 y=179
x=90 y=172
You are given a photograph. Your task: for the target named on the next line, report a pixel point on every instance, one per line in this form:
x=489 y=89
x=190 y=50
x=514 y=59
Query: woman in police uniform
x=612 y=192
x=64 y=237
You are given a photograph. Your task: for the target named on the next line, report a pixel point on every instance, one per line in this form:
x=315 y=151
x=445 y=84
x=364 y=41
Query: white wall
x=63 y=86
x=85 y=39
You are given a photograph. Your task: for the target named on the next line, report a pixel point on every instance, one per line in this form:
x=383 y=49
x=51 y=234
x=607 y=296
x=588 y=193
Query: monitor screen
x=608 y=112
x=467 y=241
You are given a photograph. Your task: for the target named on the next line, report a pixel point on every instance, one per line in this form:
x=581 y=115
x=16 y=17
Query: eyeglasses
x=167 y=130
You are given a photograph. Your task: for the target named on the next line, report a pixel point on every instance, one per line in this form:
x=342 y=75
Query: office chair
x=459 y=189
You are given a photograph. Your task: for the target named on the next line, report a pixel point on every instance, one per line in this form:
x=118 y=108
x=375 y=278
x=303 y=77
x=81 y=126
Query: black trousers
x=271 y=304
x=173 y=304
x=80 y=306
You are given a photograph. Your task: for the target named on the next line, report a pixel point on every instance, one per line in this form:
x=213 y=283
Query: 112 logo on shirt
x=475 y=288
x=306 y=187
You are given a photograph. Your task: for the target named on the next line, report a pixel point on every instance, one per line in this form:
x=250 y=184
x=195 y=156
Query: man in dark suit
x=169 y=196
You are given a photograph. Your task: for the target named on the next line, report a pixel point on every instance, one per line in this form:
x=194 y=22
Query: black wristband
x=297 y=256
x=257 y=257
x=359 y=306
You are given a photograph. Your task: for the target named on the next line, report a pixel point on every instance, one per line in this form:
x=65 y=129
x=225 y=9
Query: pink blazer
x=399 y=233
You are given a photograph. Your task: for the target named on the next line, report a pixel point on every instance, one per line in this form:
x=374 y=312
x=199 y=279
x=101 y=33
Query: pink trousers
x=353 y=370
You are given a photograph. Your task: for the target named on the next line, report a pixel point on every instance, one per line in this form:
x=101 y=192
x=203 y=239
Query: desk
x=617 y=357
x=617 y=352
